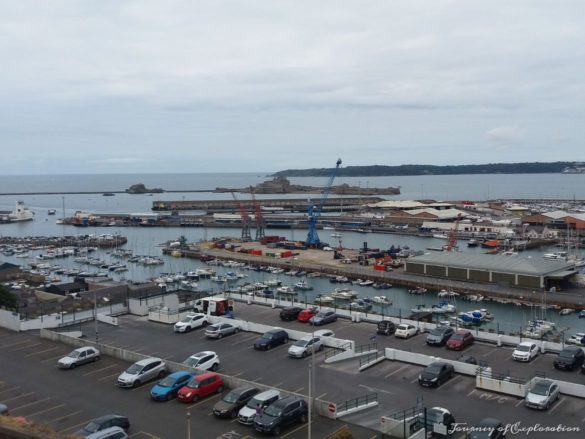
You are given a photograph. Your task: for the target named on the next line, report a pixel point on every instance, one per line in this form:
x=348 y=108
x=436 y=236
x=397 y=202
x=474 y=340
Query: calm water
x=146 y=240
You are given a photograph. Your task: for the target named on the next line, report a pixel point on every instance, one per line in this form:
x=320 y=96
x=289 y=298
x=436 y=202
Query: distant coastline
x=409 y=170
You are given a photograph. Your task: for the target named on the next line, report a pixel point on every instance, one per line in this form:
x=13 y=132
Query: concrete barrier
x=107 y=319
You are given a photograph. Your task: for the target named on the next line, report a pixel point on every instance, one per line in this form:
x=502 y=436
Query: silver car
x=220 y=330
x=78 y=357
x=305 y=346
x=542 y=394
x=142 y=371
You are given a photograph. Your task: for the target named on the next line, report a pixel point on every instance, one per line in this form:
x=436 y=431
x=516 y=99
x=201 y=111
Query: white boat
x=336 y=235
x=566 y=311
x=323 y=300
x=577 y=339
x=273 y=282
x=303 y=286
x=20 y=213
x=447 y=293
x=286 y=290
x=419 y=290
x=441 y=308
x=476 y=317
x=366 y=283
x=343 y=294
x=440 y=236
x=382 y=300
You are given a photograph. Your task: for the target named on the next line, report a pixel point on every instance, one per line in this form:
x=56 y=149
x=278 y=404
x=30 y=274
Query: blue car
x=168 y=387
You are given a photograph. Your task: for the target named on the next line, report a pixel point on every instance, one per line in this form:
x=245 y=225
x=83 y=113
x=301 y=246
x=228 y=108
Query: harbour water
x=146 y=241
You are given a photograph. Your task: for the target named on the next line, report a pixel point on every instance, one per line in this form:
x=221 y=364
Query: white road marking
x=396 y=371
x=519 y=402
x=41 y=352
x=99 y=370
x=451 y=381
x=9 y=390
x=29 y=404
x=376 y=389
x=45 y=410
x=556 y=405
x=19 y=396
x=471 y=393
x=26 y=347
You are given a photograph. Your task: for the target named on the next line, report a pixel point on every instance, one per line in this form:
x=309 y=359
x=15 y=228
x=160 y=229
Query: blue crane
x=315 y=211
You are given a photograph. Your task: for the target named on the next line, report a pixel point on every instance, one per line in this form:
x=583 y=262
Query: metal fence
x=357 y=402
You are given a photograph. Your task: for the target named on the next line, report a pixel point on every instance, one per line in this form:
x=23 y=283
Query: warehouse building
x=513 y=271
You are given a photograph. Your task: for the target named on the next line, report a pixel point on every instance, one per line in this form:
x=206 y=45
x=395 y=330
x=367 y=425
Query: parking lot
x=32 y=386
x=70 y=398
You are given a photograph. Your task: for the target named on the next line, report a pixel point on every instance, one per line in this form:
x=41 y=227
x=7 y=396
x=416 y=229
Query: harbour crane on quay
x=315 y=211
x=246 y=220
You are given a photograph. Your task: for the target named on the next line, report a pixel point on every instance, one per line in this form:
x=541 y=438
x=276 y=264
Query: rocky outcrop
x=141 y=189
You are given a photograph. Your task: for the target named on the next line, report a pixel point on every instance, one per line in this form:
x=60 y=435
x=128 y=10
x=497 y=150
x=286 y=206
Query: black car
x=233 y=401
x=440 y=335
x=435 y=374
x=570 y=358
x=102 y=423
x=386 y=327
x=290 y=313
x=270 y=339
x=488 y=428
x=281 y=413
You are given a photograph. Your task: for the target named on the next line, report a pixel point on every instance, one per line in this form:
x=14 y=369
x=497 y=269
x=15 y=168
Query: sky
x=143 y=86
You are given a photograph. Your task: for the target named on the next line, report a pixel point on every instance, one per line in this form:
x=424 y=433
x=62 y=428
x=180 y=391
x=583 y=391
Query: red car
x=200 y=386
x=460 y=340
x=306 y=314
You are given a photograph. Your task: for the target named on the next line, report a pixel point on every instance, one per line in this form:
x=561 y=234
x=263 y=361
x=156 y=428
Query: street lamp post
x=95 y=317
x=188 y=425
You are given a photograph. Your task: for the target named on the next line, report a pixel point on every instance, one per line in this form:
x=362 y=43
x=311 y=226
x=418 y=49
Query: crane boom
x=452 y=238
x=315 y=211
x=245 y=219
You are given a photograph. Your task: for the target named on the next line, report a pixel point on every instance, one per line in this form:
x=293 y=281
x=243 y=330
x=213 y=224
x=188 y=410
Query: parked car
x=323 y=317
x=142 y=371
x=436 y=374
x=290 y=313
x=200 y=386
x=439 y=335
x=405 y=330
x=4 y=409
x=168 y=387
x=281 y=413
x=488 y=428
x=441 y=416
x=386 y=327
x=270 y=339
x=247 y=414
x=233 y=401
x=205 y=360
x=542 y=394
x=190 y=322
x=525 y=351
x=469 y=359
x=306 y=314
x=305 y=346
x=109 y=433
x=571 y=357
x=78 y=357
x=219 y=330
x=460 y=340
x=324 y=333
x=103 y=422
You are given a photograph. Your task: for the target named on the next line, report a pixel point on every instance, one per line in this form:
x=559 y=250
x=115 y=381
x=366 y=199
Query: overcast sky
x=215 y=86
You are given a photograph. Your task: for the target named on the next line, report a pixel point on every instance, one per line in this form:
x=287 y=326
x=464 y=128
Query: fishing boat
x=447 y=293
x=476 y=317
x=442 y=307
x=286 y=290
x=51 y=212
x=324 y=300
x=366 y=283
x=20 y=213
x=343 y=294
x=383 y=286
x=273 y=282
x=382 y=300
x=418 y=290
x=472 y=243
x=303 y=286
x=566 y=311
x=360 y=305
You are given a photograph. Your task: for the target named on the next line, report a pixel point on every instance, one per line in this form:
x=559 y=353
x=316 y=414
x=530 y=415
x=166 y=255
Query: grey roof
x=530 y=266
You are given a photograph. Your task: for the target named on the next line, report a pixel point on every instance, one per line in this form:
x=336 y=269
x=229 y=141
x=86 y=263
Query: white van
x=247 y=413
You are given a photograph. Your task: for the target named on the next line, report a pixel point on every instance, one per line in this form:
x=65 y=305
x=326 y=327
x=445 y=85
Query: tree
x=7 y=299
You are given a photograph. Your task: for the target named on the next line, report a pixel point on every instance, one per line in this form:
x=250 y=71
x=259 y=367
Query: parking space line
x=298 y=390
x=108 y=376
x=293 y=431
x=26 y=347
x=414 y=380
x=29 y=404
x=396 y=371
x=99 y=370
x=556 y=405
x=75 y=426
x=19 y=396
x=471 y=393
x=46 y=410
x=518 y=403
x=278 y=384
x=66 y=416
x=9 y=390
x=238 y=374
x=255 y=380
x=204 y=400
x=244 y=340
x=41 y=352
x=16 y=344
x=322 y=395
x=451 y=381
x=53 y=358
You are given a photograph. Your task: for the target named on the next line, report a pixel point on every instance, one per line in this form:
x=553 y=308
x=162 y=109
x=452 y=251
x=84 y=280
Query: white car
x=542 y=394
x=324 y=333
x=305 y=346
x=525 y=351
x=206 y=360
x=577 y=339
x=405 y=330
x=78 y=357
x=142 y=371
x=191 y=321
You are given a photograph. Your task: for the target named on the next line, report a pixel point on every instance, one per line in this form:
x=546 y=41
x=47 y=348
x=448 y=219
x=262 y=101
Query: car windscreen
x=540 y=389
x=437 y=332
x=186 y=320
x=253 y=403
x=74 y=354
x=523 y=348
x=321 y=315
x=301 y=343
x=193 y=383
x=566 y=355
x=273 y=410
x=267 y=336
x=434 y=369
x=167 y=382
x=457 y=336
x=230 y=397
x=213 y=328
x=134 y=369
x=92 y=427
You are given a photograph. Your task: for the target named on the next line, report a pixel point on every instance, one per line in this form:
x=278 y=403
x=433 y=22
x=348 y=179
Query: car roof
x=146 y=361
x=526 y=343
x=180 y=373
x=205 y=375
x=202 y=354
x=572 y=349
x=106 y=418
x=243 y=388
x=308 y=337
x=490 y=422
x=103 y=433
x=83 y=348
x=462 y=331
x=267 y=394
x=545 y=382
x=286 y=400
x=438 y=363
